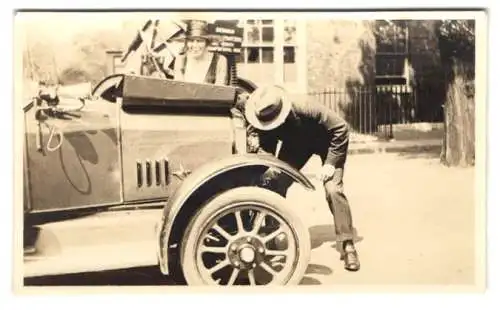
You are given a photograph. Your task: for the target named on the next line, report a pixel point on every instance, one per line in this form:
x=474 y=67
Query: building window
x=258 y=42
x=392 y=48
x=268 y=50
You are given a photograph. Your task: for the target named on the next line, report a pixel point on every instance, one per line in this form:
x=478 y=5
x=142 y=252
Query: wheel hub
x=246 y=253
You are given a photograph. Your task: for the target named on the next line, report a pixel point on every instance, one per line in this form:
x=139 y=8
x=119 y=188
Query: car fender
x=201 y=176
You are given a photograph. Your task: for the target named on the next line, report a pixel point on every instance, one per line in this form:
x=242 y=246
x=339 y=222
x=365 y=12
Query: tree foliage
x=457 y=41
x=82 y=59
x=389 y=33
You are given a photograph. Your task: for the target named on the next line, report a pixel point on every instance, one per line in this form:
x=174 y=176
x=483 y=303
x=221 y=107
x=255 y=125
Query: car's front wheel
x=245 y=236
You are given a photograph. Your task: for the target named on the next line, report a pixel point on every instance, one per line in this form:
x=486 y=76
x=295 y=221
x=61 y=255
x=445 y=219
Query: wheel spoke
x=251 y=215
x=219 y=266
x=223 y=233
x=237 y=235
x=233 y=277
x=239 y=222
x=258 y=222
x=278 y=253
x=272 y=235
x=267 y=268
x=213 y=249
x=251 y=277
x=213 y=238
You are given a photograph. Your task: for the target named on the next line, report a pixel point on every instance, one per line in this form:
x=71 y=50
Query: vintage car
x=146 y=173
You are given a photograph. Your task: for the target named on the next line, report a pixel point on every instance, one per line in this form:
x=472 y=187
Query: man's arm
x=261 y=143
x=339 y=141
x=337 y=128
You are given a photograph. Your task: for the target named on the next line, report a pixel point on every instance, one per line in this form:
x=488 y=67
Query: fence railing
x=373 y=109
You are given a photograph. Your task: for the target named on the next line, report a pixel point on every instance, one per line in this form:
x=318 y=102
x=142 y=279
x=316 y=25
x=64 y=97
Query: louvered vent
x=152 y=173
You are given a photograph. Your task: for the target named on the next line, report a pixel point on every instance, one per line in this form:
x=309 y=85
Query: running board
x=100 y=242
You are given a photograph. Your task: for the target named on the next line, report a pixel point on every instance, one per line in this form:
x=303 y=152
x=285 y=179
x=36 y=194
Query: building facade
x=305 y=55
x=339 y=58
x=311 y=55
x=343 y=60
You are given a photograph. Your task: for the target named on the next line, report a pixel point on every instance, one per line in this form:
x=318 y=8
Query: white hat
x=267 y=107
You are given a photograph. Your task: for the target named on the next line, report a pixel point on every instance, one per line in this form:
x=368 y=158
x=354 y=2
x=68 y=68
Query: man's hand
x=242 y=98
x=252 y=143
x=270 y=175
x=326 y=173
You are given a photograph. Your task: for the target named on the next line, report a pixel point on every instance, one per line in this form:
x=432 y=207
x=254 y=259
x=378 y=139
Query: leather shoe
x=351 y=259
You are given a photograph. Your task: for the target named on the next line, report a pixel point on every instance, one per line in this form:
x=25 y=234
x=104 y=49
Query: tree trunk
x=459 y=139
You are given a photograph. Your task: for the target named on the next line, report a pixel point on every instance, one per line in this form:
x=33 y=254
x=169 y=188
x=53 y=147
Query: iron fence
x=374 y=109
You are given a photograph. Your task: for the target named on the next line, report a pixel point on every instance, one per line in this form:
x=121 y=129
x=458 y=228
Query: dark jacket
x=312 y=128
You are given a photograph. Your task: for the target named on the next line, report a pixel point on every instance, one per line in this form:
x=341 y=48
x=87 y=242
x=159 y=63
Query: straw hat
x=267 y=107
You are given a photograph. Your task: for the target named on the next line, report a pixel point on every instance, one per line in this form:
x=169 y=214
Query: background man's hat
x=267 y=107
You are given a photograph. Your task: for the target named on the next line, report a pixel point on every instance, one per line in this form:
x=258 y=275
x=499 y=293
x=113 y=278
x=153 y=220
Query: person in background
x=198 y=64
x=293 y=131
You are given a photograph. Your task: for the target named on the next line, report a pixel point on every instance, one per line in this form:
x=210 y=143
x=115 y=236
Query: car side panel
x=158 y=148
x=84 y=170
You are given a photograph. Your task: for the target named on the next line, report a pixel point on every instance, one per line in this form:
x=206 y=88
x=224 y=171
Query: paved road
x=415 y=221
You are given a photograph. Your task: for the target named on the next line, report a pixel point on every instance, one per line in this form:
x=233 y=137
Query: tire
x=232 y=201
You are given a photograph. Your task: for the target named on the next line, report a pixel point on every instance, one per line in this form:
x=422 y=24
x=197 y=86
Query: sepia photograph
x=268 y=149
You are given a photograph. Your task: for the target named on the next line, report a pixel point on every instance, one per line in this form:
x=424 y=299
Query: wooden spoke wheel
x=245 y=236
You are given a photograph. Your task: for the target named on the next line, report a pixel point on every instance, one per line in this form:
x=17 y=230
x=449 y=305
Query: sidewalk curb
x=394 y=149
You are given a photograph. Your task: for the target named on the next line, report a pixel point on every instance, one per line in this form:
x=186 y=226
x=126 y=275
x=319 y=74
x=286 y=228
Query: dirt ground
x=415 y=221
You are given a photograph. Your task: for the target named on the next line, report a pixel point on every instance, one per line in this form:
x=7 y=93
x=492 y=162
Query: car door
x=78 y=163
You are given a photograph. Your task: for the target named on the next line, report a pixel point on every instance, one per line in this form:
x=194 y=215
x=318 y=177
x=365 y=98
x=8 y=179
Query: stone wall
x=340 y=60
x=339 y=54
